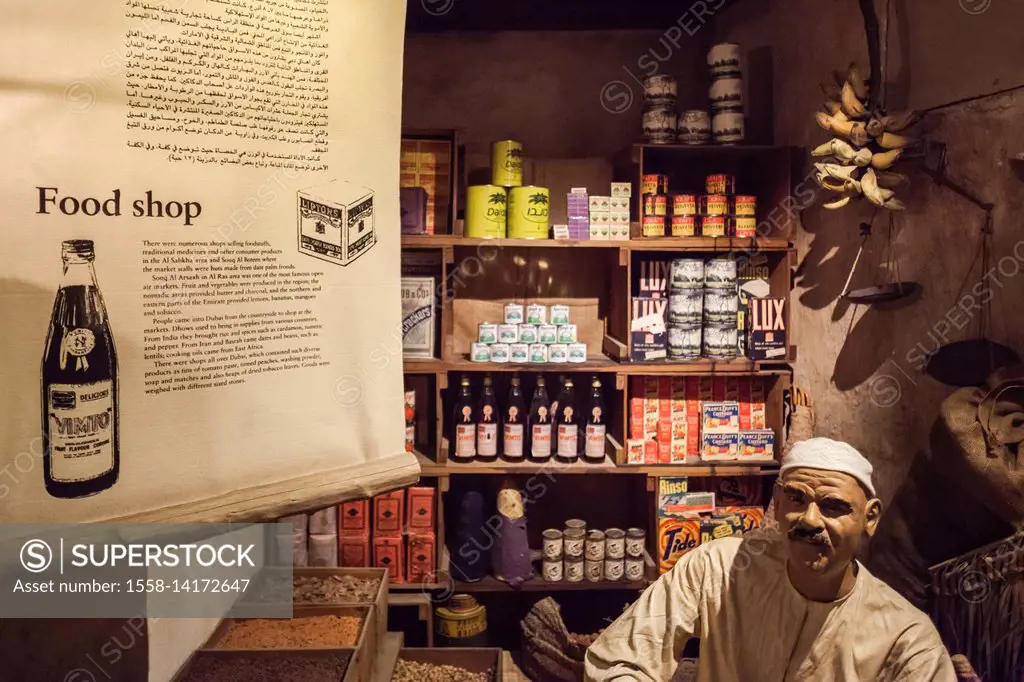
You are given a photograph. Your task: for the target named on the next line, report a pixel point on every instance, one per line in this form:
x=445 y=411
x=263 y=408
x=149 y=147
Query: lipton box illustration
x=335 y=221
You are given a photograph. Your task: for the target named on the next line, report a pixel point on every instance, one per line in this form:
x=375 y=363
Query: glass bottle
x=463 y=433
x=540 y=424
x=568 y=437
x=514 y=440
x=487 y=424
x=594 y=450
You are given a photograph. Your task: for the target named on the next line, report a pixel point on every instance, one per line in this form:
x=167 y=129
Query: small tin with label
x=501 y=352
x=527 y=333
x=547 y=333
x=653 y=226
x=519 y=353
x=536 y=313
x=538 y=352
x=567 y=333
x=720 y=273
x=559 y=315
x=576 y=524
x=685 y=306
x=614 y=568
x=595 y=545
x=558 y=352
x=480 y=352
x=744 y=204
x=594 y=570
x=687 y=273
x=488 y=333
x=721 y=341
x=684 y=204
x=552 y=570
x=508 y=333
x=658 y=205
x=684 y=342
x=615 y=543
x=660 y=89
x=721 y=307
x=634 y=568
x=685 y=226
x=654 y=184
x=713 y=226
x=573 y=542
x=577 y=352
x=513 y=313
x=635 y=542
x=714 y=204
x=574 y=570
x=743 y=226
x=552 y=543
x=720 y=184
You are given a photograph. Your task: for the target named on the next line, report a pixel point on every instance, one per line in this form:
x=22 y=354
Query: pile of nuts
x=308 y=632
x=334 y=589
x=213 y=668
x=414 y=671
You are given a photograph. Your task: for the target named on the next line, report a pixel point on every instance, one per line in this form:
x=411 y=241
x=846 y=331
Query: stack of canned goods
x=685 y=308
x=532 y=334
x=726 y=94
x=725 y=213
x=721 y=308
x=703 y=306
x=660 y=121
x=654 y=202
x=576 y=554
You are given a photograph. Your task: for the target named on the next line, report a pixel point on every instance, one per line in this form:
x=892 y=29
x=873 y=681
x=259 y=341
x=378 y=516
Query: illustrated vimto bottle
x=79 y=387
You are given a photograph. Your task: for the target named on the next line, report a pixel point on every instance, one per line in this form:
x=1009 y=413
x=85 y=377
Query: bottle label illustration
x=567 y=435
x=514 y=440
x=81 y=430
x=595 y=441
x=541 y=439
x=465 y=440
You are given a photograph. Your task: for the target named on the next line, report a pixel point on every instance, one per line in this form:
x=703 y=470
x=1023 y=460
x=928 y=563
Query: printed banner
x=199 y=241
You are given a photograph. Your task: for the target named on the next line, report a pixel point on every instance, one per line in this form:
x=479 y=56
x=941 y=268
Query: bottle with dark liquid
x=79 y=384
x=514 y=440
x=569 y=443
x=596 y=427
x=487 y=424
x=558 y=396
x=463 y=433
x=540 y=424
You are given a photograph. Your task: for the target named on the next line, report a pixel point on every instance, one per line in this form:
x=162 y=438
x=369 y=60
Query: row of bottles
x=480 y=430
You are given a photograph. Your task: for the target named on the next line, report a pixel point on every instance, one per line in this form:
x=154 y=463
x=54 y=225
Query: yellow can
x=485 y=211
x=507 y=163
x=528 y=212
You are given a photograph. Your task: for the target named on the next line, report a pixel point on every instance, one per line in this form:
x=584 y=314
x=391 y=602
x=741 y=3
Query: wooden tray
x=471 y=659
x=352 y=673
x=360 y=666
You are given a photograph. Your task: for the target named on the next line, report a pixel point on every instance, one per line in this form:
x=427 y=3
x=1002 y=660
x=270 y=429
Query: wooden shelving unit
x=476 y=277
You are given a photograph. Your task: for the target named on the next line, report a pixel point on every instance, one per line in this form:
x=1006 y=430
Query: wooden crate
x=360 y=666
x=473 y=660
x=352 y=673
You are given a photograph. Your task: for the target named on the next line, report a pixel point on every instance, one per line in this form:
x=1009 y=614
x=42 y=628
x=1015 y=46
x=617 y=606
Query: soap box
x=676 y=537
x=720 y=526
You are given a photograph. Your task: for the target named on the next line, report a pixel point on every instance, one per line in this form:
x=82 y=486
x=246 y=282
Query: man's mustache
x=809 y=535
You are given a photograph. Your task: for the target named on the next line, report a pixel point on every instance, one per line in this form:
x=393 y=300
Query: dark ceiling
x=435 y=16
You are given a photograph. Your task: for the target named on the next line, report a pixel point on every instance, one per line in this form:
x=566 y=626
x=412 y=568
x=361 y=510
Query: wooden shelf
x=708 y=244
x=703 y=244
x=740 y=367
x=723 y=149
x=594 y=363
x=492 y=584
x=423 y=366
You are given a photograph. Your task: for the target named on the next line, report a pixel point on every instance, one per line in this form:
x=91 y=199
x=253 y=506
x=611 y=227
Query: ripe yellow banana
x=834 y=170
x=885 y=160
x=833 y=107
x=891 y=180
x=894 y=205
x=901 y=120
x=879 y=196
x=824 y=120
x=853 y=107
x=838 y=203
x=840 y=149
x=894 y=141
x=854 y=131
x=856 y=79
x=863 y=157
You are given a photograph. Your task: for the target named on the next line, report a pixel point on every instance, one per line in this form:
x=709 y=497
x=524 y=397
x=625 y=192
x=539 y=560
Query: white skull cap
x=829 y=455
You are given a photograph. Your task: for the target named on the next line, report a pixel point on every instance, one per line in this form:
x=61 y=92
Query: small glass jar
x=615 y=543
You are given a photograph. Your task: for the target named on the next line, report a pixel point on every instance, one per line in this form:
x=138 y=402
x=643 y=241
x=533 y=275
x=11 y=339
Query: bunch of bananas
x=866 y=146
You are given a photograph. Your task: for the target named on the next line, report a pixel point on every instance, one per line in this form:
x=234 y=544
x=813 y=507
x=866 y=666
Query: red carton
x=743 y=399
x=421 y=557
x=354 y=518
x=387 y=513
x=420 y=504
x=387 y=553
x=354 y=551
x=651 y=453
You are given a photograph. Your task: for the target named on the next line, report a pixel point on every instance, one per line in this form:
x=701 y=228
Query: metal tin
x=687 y=273
x=487 y=332
x=528 y=212
x=595 y=545
x=721 y=342
x=720 y=273
x=695 y=127
x=538 y=352
x=653 y=226
x=684 y=204
x=728 y=127
x=685 y=226
x=567 y=333
x=721 y=306
x=660 y=124
x=714 y=204
x=576 y=524
x=508 y=333
x=547 y=333
x=726 y=94
x=513 y=313
x=636 y=540
x=720 y=183
x=574 y=570
x=480 y=352
x=615 y=543
x=528 y=333
x=486 y=214
x=558 y=352
x=744 y=204
x=685 y=306
x=684 y=342
x=614 y=569
x=713 y=226
x=500 y=352
x=577 y=352
x=634 y=568
x=559 y=314
x=648 y=204
x=594 y=570
x=660 y=205
x=462 y=622
x=552 y=543
x=743 y=226
x=519 y=353
x=660 y=90
x=536 y=313
x=724 y=60
x=653 y=184
x=507 y=163
x=552 y=570
x=572 y=543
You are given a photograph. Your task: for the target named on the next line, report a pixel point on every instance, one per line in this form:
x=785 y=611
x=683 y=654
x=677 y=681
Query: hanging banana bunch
x=865 y=145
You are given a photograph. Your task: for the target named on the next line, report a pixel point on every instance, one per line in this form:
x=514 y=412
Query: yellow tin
x=528 y=212
x=507 y=163
x=486 y=211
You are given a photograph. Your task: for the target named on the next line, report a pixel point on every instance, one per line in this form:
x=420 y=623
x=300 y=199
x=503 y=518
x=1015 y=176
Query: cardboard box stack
x=685 y=420
x=323 y=538
x=648 y=336
x=427 y=164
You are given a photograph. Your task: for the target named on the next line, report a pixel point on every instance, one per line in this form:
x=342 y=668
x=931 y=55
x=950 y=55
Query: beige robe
x=735 y=595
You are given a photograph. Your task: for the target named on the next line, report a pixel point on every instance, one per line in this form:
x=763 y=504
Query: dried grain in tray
x=213 y=667
x=305 y=632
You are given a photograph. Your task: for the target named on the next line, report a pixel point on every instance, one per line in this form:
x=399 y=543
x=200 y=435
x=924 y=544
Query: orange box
x=753 y=517
x=387 y=553
x=676 y=537
x=420 y=505
x=743 y=399
x=354 y=551
x=354 y=518
x=664 y=451
x=421 y=557
x=757 y=407
x=651 y=455
x=387 y=513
